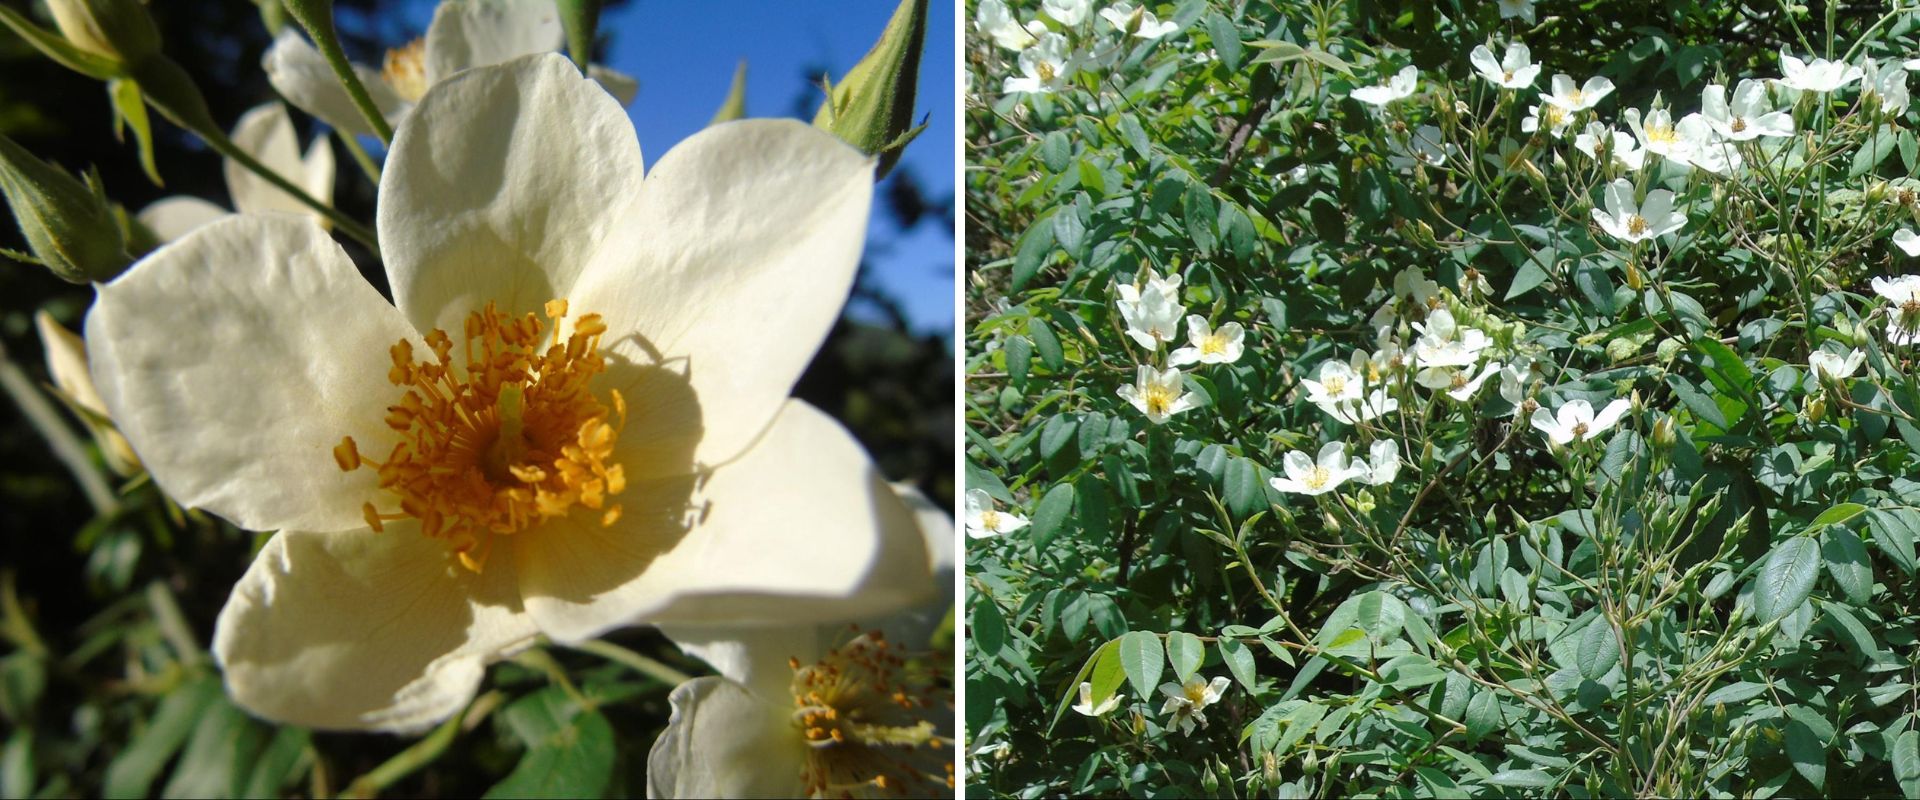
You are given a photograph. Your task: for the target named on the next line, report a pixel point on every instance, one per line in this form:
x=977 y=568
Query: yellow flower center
x=1636 y=224
x=1661 y=133
x=1317 y=478
x=865 y=712
x=1459 y=380
x=1046 y=71
x=1196 y=691
x=1335 y=385
x=1553 y=115
x=1507 y=75
x=1739 y=124
x=1579 y=430
x=513 y=438
x=1213 y=345
x=1158 y=399
x=990 y=520
x=405 y=70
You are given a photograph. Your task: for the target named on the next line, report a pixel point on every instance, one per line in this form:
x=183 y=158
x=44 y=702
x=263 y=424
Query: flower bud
x=872 y=106
x=1209 y=782
x=1664 y=434
x=1816 y=408
x=67 y=366
x=69 y=225
x=121 y=30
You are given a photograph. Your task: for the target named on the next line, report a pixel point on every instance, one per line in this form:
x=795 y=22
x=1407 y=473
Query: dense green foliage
x=1711 y=597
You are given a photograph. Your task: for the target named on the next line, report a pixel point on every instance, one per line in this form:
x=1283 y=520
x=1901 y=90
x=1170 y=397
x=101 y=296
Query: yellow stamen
x=510 y=439
x=405 y=70
x=865 y=712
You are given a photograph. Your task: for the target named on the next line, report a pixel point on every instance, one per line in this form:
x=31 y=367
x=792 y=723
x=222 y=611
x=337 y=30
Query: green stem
x=66 y=446
x=360 y=156
x=319 y=25
x=413 y=758
x=346 y=224
x=649 y=667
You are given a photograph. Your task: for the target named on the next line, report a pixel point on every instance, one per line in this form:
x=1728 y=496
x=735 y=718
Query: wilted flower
x=1903 y=323
x=1320 y=475
x=1514 y=70
x=1157 y=394
x=266 y=133
x=1836 y=366
x=1633 y=223
x=1209 y=346
x=1045 y=66
x=1187 y=702
x=1750 y=116
x=1576 y=420
x=1086 y=706
x=464 y=34
x=1567 y=96
x=1819 y=75
x=1398 y=87
x=983 y=521
x=436 y=513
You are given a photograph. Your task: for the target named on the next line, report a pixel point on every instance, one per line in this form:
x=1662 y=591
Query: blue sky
x=684 y=54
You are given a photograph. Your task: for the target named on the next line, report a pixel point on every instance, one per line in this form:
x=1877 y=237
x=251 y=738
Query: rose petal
x=800 y=529
x=236 y=359
x=481 y=33
x=266 y=133
x=301 y=75
x=500 y=185
x=358 y=629
x=735 y=263
x=173 y=217
x=721 y=741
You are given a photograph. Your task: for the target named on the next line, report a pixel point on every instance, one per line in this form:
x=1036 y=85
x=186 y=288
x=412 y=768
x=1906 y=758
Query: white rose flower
x=1443 y=343
x=1322 y=474
x=1517 y=9
x=1140 y=22
x=1354 y=412
x=1888 y=83
x=1631 y=222
x=1187 y=702
x=1383 y=462
x=266 y=133
x=1514 y=70
x=1067 y=12
x=1565 y=95
x=1749 y=117
x=1903 y=322
x=983 y=521
x=1619 y=145
x=1152 y=310
x=1576 y=420
x=1209 y=346
x=1818 y=75
x=1086 y=706
x=1836 y=366
x=464 y=34
x=443 y=502
x=1548 y=117
x=1398 y=87
x=1157 y=394
x=1339 y=383
x=1044 y=67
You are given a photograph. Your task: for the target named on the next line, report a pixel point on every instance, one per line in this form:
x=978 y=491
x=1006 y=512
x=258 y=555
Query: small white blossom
x=1044 y=67
x=1138 y=21
x=1375 y=404
x=1567 y=96
x=1086 y=706
x=1338 y=383
x=1209 y=346
x=1067 y=12
x=1750 y=116
x=1383 y=462
x=1633 y=223
x=1836 y=366
x=1818 y=75
x=1548 y=117
x=1888 y=83
x=1398 y=87
x=1443 y=343
x=983 y=521
x=1517 y=9
x=1514 y=70
x=1157 y=394
x=1459 y=384
x=1319 y=475
x=1624 y=149
x=1903 y=324
x=1187 y=702
x=997 y=23
x=1706 y=149
x=1658 y=135
x=1152 y=311
x=1576 y=420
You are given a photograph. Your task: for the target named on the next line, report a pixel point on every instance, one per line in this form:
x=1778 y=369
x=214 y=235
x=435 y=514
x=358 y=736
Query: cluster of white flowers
x=1152 y=312
x=1051 y=53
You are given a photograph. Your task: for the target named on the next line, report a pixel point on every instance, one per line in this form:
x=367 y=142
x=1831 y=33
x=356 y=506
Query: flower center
x=1555 y=115
x=1158 y=399
x=1459 y=380
x=1636 y=225
x=1215 y=345
x=405 y=70
x=1739 y=124
x=1579 y=430
x=990 y=520
x=512 y=439
x=1335 y=385
x=1663 y=134
x=1046 y=71
x=1196 y=693
x=1316 y=478
x=865 y=712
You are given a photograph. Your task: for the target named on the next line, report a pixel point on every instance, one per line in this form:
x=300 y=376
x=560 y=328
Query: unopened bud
x=1636 y=280
x=1816 y=408
x=1664 y=434
x=1311 y=764
x=67 y=366
x=69 y=225
x=872 y=106
x=121 y=30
